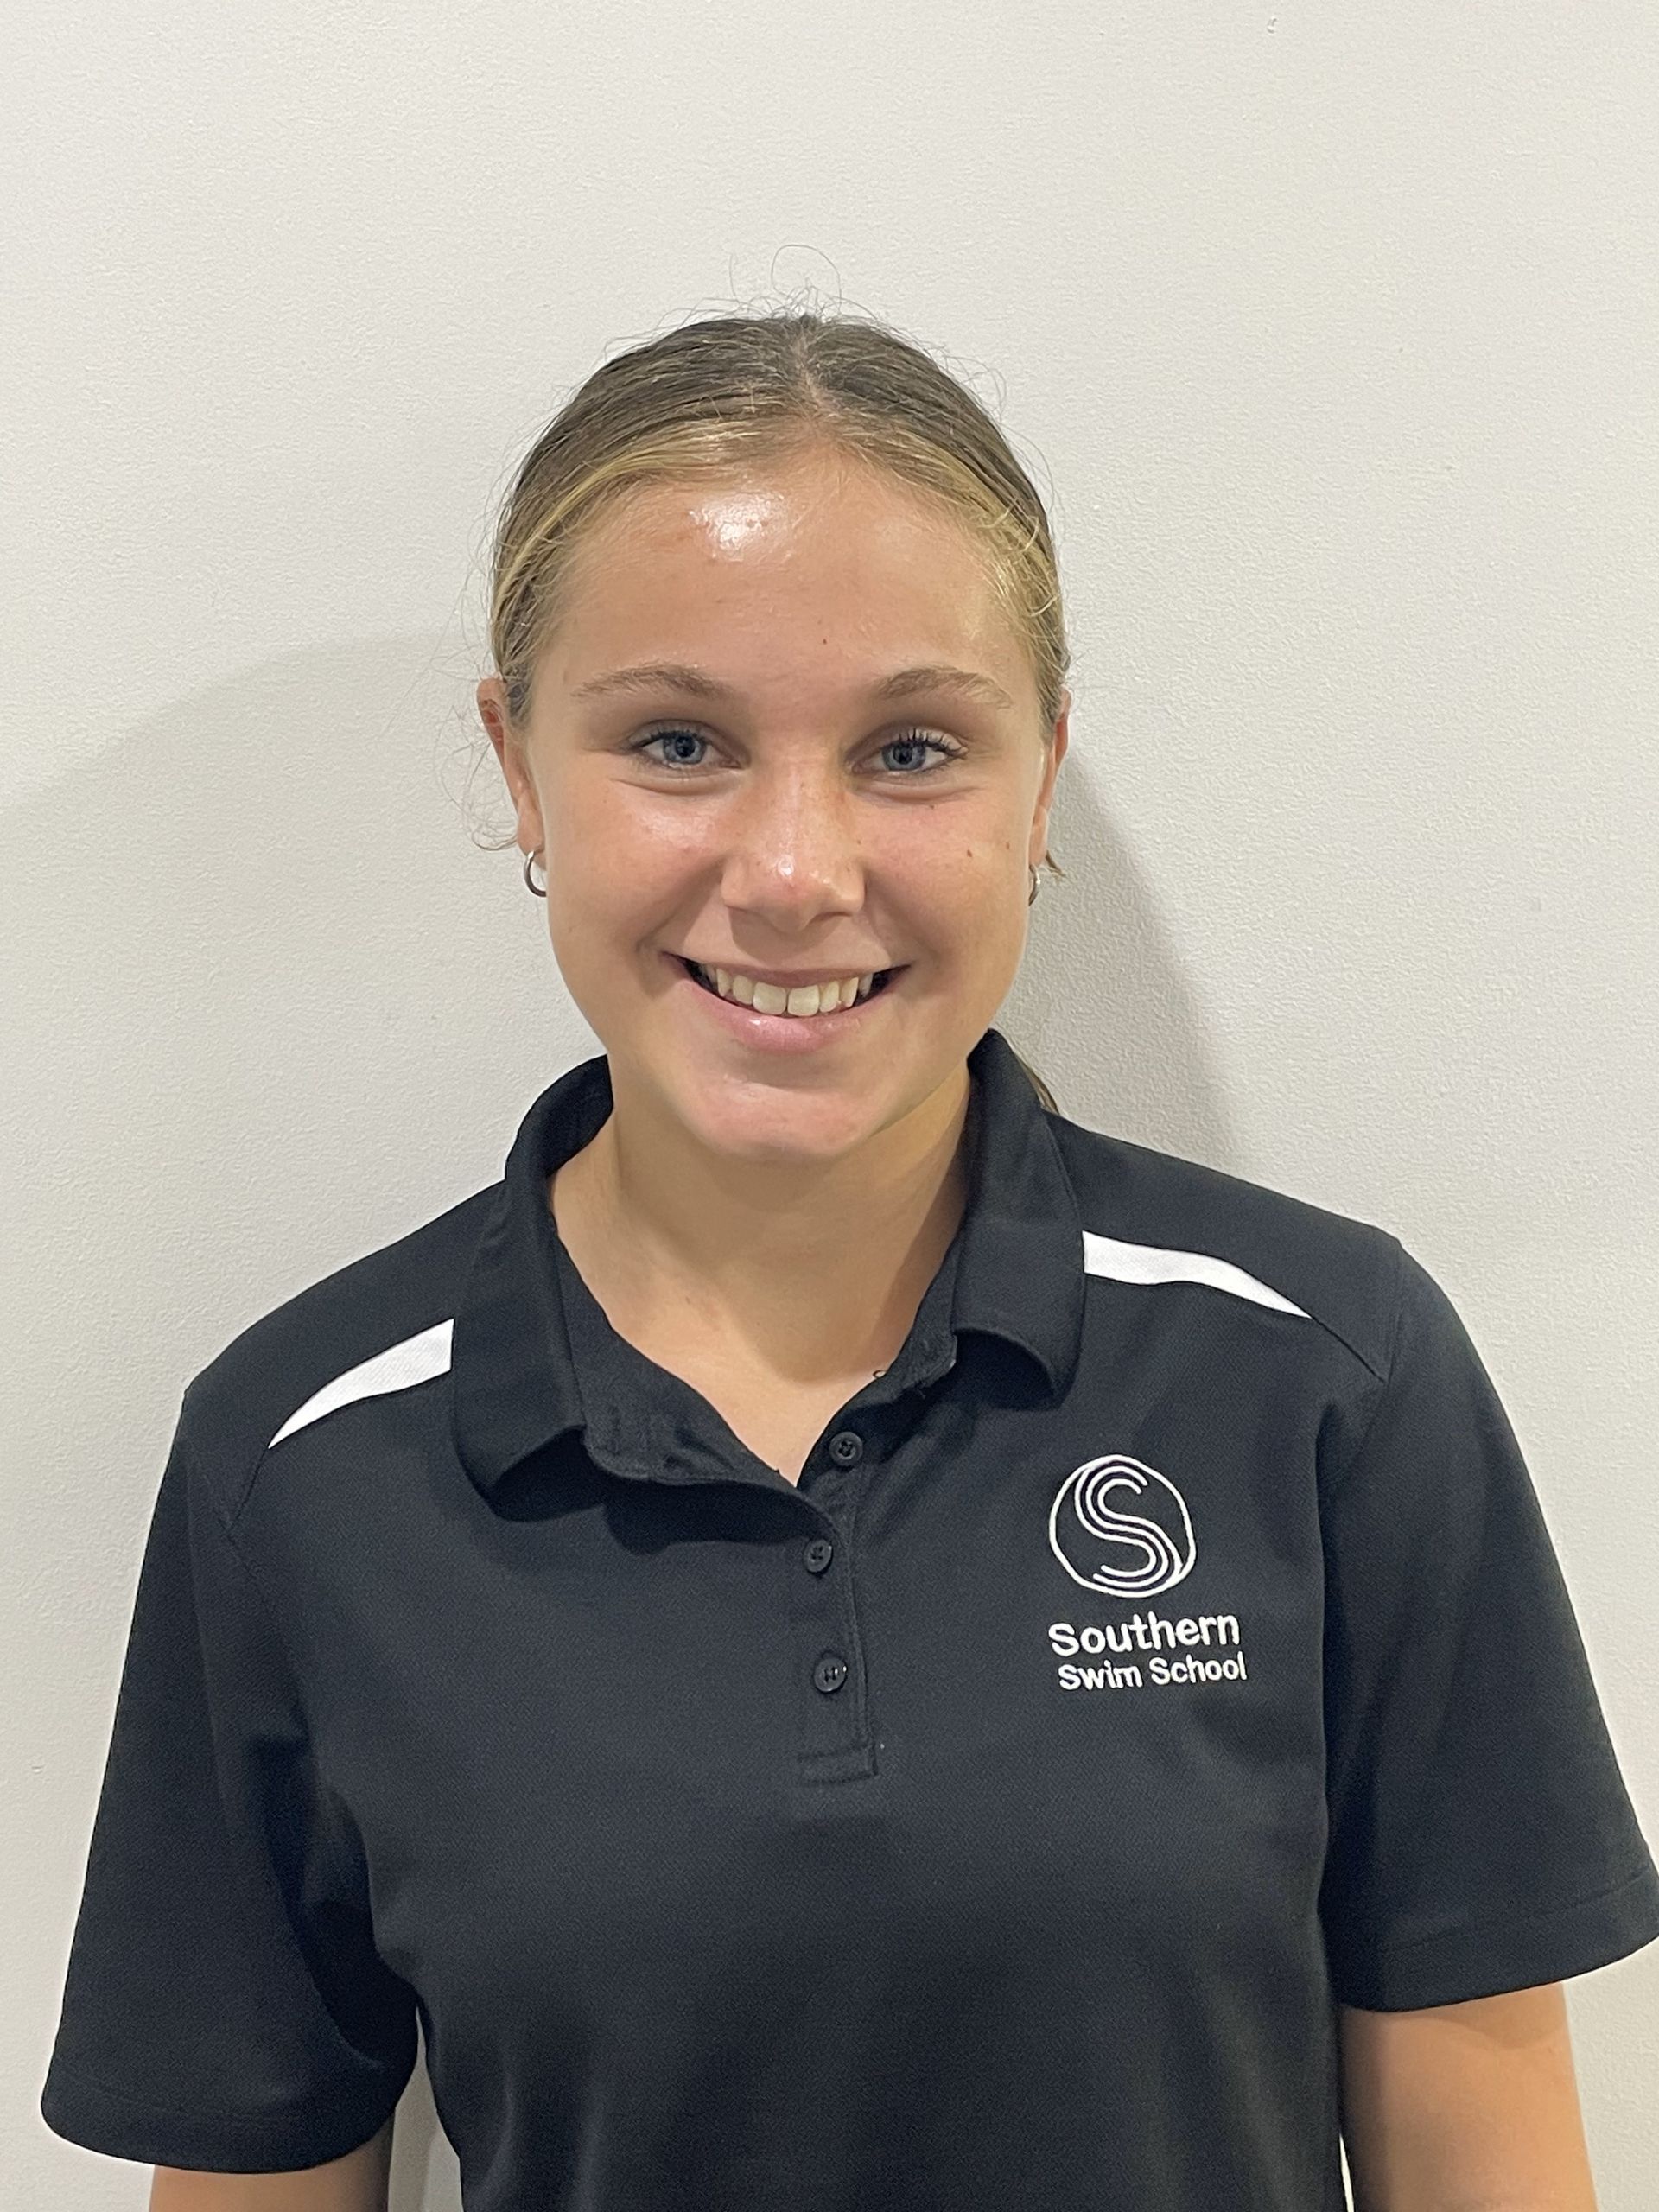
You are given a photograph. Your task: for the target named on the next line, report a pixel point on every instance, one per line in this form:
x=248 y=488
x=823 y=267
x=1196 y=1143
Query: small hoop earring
x=1036 y=885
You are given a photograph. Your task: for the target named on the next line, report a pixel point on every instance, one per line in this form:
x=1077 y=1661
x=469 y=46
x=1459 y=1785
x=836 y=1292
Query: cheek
x=973 y=874
x=630 y=835
x=611 y=852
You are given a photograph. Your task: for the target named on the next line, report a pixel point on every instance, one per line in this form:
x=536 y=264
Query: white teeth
x=805 y=999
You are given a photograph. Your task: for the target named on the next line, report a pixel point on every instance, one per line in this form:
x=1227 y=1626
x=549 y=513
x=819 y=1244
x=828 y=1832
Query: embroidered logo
x=1146 y=1552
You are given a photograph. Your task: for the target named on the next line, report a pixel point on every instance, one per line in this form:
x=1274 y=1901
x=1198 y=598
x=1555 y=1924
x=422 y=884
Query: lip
x=781 y=1033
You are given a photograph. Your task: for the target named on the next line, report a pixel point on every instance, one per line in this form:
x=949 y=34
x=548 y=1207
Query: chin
x=769 y=1123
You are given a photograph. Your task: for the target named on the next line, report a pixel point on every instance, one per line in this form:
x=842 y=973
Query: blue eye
x=946 y=749
x=656 y=737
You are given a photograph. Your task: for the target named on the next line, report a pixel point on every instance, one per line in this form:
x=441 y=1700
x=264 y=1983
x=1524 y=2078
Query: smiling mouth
x=883 y=977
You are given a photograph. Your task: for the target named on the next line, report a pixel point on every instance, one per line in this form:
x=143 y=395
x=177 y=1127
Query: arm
x=356 y=2182
x=1470 y=2107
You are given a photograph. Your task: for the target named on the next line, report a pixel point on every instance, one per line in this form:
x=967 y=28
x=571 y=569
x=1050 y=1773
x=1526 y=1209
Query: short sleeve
x=223 y=2006
x=1480 y=1837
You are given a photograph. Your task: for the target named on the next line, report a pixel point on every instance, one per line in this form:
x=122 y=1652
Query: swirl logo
x=1151 y=1550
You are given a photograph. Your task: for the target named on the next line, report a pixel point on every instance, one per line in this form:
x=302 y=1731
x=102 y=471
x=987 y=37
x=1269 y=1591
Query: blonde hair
x=731 y=394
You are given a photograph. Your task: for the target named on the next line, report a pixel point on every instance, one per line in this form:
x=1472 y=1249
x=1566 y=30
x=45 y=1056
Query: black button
x=818 y=1555
x=830 y=1672
x=846 y=1447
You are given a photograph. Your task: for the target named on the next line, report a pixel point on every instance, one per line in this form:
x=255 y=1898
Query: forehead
x=834 y=557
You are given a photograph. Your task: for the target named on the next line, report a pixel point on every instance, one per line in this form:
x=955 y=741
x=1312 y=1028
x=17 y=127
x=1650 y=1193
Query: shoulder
x=1343 y=1274
x=396 y=1302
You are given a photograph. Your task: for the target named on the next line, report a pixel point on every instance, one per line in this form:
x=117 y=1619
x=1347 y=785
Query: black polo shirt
x=1167 y=1645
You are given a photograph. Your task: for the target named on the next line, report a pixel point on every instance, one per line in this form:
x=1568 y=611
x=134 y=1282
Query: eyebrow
x=679 y=676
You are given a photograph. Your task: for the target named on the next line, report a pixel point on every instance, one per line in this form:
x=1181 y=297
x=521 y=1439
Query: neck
x=807 y=1275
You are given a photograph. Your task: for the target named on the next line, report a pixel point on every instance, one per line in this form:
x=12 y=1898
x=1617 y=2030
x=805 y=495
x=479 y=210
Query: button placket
x=825 y=1628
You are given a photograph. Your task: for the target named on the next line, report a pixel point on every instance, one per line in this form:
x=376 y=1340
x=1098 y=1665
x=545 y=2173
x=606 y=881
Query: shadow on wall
x=262 y=991
x=266 y=1007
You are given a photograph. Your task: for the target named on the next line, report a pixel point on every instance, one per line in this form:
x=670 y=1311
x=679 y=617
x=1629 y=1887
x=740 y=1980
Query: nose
x=793 y=851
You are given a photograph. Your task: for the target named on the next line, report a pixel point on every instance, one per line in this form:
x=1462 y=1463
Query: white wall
x=1332 y=331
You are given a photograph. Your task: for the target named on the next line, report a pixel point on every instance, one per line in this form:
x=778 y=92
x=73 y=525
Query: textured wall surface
x=1331 y=334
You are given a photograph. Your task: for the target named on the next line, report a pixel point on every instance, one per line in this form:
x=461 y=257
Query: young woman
x=842 y=1641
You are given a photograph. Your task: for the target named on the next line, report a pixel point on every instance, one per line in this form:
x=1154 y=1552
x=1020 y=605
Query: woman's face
x=792 y=822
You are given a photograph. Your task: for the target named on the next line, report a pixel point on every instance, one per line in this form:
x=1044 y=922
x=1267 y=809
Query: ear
x=492 y=712
x=1052 y=768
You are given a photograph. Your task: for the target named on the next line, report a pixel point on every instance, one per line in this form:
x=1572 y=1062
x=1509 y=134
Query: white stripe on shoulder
x=1107 y=1255
x=416 y=1359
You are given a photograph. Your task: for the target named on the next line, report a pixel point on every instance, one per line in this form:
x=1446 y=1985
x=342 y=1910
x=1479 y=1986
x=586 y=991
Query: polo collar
x=534 y=1355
